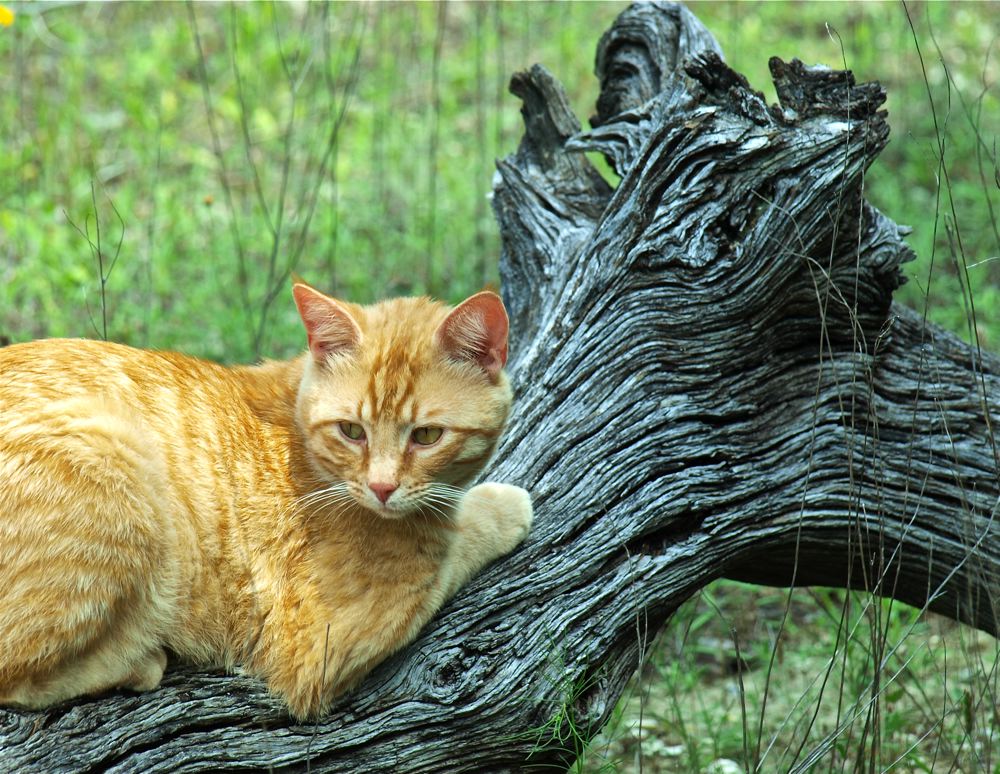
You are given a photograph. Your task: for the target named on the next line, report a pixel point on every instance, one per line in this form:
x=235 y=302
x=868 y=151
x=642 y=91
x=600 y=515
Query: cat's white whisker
x=444 y=503
x=442 y=508
x=441 y=516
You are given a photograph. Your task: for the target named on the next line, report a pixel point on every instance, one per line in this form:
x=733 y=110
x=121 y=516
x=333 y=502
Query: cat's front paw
x=510 y=509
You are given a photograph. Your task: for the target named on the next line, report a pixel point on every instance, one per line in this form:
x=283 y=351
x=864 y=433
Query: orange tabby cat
x=301 y=519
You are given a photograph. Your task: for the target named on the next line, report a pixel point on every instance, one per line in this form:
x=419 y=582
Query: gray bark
x=712 y=381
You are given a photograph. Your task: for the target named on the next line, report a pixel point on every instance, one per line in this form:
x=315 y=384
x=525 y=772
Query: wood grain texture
x=712 y=381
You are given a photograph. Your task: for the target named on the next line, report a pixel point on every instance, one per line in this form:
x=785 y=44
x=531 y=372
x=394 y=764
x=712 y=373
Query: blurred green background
x=210 y=150
x=219 y=147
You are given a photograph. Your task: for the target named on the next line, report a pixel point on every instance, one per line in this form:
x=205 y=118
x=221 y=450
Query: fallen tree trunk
x=712 y=382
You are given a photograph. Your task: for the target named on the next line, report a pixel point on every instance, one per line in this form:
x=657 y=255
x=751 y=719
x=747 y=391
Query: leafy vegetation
x=165 y=168
x=351 y=144
x=842 y=682
x=354 y=145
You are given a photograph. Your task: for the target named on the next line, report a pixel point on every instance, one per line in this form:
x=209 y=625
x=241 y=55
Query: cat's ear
x=476 y=331
x=329 y=326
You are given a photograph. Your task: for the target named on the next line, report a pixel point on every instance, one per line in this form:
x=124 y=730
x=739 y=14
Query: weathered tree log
x=712 y=381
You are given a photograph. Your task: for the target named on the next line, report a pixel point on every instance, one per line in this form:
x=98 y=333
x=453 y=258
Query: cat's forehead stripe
x=392 y=381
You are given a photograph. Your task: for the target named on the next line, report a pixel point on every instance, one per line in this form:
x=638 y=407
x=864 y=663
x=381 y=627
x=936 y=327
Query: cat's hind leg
x=148 y=673
x=86 y=585
x=104 y=670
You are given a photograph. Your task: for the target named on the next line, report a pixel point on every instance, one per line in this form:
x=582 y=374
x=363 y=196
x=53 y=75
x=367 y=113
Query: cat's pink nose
x=382 y=491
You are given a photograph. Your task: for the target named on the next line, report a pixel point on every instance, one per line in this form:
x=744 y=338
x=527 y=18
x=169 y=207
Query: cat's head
x=402 y=401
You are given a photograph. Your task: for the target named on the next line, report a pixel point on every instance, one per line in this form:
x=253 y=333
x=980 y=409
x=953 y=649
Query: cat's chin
x=392 y=513
x=399 y=512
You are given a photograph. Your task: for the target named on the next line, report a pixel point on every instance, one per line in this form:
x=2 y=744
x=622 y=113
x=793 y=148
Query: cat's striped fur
x=152 y=503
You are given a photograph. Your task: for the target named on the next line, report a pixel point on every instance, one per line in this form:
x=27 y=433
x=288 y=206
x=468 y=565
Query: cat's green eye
x=352 y=431
x=425 y=436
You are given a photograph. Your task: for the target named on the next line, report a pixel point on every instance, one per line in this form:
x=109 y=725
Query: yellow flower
x=6 y=16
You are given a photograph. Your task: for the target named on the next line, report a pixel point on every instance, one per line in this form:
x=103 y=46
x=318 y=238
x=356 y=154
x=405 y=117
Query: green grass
x=111 y=97
x=355 y=145
x=936 y=689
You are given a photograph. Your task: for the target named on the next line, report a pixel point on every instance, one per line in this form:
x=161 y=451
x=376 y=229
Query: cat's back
x=55 y=369
x=75 y=397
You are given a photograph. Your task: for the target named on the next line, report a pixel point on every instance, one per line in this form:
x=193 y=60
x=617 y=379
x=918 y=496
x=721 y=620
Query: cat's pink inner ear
x=329 y=326
x=476 y=331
